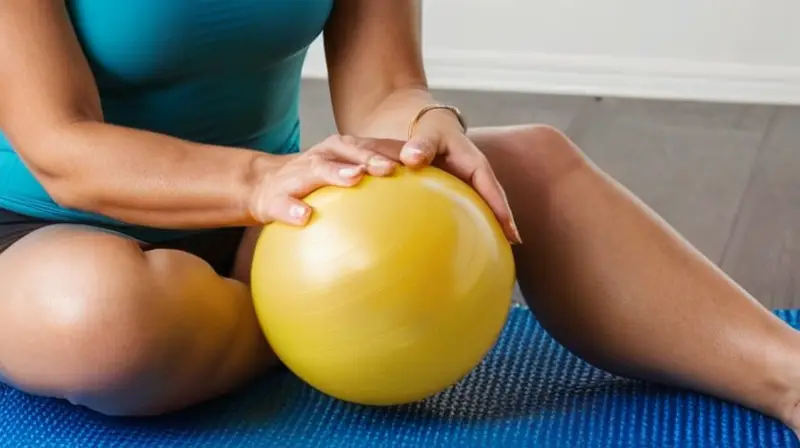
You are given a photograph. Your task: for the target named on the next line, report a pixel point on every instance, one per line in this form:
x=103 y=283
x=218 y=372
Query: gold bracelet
x=430 y=107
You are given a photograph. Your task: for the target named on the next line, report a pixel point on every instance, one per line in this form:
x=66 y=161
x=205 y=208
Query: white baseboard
x=602 y=76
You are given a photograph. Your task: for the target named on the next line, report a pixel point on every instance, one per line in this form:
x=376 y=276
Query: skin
x=125 y=331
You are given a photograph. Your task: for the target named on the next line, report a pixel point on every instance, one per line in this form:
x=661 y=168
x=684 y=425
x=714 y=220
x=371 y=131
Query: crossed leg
x=92 y=318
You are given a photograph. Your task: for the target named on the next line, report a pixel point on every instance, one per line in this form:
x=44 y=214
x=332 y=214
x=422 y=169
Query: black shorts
x=217 y=247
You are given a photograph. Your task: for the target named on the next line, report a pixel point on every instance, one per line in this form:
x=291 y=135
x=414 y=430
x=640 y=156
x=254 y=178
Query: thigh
x=119 y=329
x=219 y=248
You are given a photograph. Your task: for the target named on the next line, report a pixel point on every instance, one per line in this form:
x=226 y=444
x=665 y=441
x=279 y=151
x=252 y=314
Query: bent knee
x=543 y=146
x=81 y=319
x=543 y=152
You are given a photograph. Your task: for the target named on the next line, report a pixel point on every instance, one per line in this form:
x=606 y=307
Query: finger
x=288 y=210
x=286 y=206
x=418 y=152
x=389 y=148
x=471 y=166
x=319 y=172
x=360 y=152
x=339 y=174
x=486 y=184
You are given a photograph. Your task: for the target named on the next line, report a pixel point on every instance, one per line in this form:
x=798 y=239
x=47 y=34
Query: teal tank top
x=222 y=72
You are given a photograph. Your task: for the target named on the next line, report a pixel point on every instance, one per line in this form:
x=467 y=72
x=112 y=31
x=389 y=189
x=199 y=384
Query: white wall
x=723 y=50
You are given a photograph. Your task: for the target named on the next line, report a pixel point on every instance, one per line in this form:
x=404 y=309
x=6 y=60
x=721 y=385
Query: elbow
x=70 y=197
x=63 y=174
x=68 y=191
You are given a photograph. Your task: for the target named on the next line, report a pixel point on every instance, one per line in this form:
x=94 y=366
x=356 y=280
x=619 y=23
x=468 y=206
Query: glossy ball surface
x=393 y=291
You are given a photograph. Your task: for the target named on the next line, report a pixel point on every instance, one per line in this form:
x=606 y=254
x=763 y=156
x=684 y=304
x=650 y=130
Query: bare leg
x=613 y=283
x=89 y=317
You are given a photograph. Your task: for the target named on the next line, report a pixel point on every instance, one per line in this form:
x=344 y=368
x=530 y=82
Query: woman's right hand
x=337 y=161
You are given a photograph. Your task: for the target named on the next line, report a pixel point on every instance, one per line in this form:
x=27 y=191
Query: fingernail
x=296 y=211
x=380 y=162
x=415 y=153
x=352 y=171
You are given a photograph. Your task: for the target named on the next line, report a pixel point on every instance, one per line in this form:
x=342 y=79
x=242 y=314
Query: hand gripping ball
x=395 y=289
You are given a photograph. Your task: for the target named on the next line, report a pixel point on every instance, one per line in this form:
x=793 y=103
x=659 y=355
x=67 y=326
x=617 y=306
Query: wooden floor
x=725 y=176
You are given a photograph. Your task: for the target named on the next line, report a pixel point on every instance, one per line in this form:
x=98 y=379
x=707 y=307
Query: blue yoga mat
x=529 y=392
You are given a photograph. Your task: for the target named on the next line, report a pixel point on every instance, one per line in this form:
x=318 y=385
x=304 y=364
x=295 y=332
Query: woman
x=147 y=142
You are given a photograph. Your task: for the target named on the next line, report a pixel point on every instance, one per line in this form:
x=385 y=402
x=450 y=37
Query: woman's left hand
x=438 y=138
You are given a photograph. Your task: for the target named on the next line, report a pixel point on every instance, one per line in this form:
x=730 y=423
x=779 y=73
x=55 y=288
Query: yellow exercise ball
x=395 y=289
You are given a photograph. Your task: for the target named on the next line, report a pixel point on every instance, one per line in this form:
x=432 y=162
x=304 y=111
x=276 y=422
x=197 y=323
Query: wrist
x=403 y=111
x=391 y=117
x=446 y=115
x=259 y=170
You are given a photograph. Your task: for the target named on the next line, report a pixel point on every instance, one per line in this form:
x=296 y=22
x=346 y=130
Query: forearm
x=376 y=75
x=392 y=114
x=149 y=179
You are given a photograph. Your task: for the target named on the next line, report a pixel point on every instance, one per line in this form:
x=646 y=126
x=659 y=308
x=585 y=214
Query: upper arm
x=45 y=80
x=372 y=47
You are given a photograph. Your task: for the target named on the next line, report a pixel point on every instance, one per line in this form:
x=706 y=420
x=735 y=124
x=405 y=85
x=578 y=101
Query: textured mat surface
x=528 y=392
